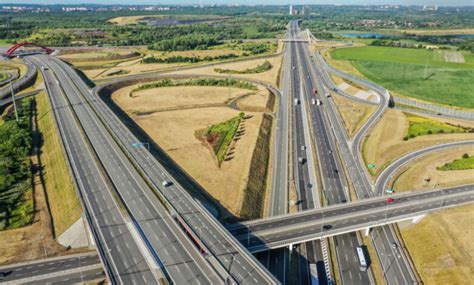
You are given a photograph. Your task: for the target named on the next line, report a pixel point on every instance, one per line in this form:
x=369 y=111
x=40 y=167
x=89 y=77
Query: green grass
x=221 y=135
x=3 y=76
x=419 y=126
x=415 y=73
x=462 y=163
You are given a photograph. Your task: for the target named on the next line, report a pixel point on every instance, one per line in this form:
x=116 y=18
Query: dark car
x=327 y=227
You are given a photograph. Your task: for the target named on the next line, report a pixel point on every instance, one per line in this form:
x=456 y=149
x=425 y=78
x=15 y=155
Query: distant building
x=291 y=9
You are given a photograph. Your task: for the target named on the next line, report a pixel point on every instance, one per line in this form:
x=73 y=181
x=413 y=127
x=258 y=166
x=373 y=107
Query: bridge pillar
x=417 y=219
x=367 y=231
x=290 y=247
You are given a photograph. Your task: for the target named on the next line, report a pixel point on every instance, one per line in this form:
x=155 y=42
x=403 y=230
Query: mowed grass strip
x=417 y=73
x=419 y=126
x=63 y=201
x=220 y=136
x=463 y=163
x=265 y=66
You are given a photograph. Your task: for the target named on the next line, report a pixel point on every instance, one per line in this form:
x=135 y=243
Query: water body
x=367 y=35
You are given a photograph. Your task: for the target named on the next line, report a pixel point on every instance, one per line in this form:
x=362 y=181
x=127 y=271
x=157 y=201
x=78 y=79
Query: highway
x=20 y=83
x=303 y=163
x=169 y=247
x=398 y=272
x=120 y=254
x=58 y=267
x=226 y=253
x=308 y=225
x=334 y=186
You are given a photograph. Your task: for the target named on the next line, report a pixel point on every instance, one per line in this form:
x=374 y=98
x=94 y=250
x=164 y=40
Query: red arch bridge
x=13 y=48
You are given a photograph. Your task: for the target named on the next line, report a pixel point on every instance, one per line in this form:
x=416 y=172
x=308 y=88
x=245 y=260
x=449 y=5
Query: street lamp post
x=13 y=100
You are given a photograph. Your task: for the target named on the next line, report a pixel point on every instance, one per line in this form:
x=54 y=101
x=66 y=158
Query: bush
x=412 y=136
x=430 y=132
x=465 y=156
x=405 y=138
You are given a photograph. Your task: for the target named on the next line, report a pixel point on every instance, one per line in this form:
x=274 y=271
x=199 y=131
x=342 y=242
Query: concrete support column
x=418 y=218
x=367 y=231
x=290 y=247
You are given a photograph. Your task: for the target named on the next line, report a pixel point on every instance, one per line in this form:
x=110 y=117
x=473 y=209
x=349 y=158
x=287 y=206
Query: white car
x=166 y=183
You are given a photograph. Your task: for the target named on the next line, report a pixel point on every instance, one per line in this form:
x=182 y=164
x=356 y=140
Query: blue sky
x=248 y=2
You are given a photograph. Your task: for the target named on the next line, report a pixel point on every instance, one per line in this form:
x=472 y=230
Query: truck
x=297 y=101
x=313 y=101
x=313 y=271
x=318 y=102
x=301 y=160
x=361 y=257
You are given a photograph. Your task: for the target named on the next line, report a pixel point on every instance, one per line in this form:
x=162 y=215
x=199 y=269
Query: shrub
x=465 y=156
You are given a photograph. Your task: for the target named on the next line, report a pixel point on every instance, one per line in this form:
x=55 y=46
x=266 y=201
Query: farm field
x=418 y=73
x=385 y=142
x=172 y=117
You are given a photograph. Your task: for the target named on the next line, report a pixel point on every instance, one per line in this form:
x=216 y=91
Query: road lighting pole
x=13 y=100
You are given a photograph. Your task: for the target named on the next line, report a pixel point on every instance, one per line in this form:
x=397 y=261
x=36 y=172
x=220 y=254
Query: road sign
x=370 y=166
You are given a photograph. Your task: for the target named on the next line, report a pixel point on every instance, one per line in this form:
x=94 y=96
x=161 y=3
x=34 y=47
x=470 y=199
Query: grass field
x=463 y=163
x=354 y=114
x=172 y=115
x=3 y=76
x=64 y=203
x=417 y=73
x=385 y=142
x=419 y=126
x=441 y=246
x=269 y=76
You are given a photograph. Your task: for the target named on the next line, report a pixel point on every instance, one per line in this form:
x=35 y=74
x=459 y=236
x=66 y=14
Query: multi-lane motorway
x=147 y=232
x=308 y=225
x=170 y=249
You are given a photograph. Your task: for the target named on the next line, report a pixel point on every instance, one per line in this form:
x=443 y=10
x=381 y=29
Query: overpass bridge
x=291 y=229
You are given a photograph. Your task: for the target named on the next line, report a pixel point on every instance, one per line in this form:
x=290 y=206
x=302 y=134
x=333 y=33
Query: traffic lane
x=87 y=276
x=347 y=260
x=279 y=233
x=93 y=187
x=48 y=266
x=354 y=207
x=243 y=267
x=179 y=263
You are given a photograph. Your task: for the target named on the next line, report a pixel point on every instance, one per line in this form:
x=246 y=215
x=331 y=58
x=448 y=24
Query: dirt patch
x=441 y=246
x=354 y=114
x=422 y=173
x=385 y=142
x=268 y=76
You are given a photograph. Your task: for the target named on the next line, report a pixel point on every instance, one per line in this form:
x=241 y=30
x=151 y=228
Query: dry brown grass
x=175 y=131
x=267 y=77
x=441 y=246
x=422 y=173
x=170 y=98
x=385 y=142
x=354 y=114
x=128 y=20
x=64 y=203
